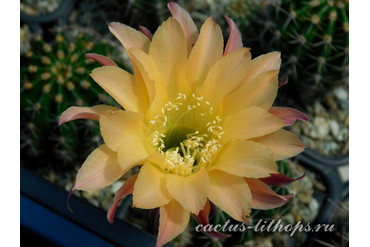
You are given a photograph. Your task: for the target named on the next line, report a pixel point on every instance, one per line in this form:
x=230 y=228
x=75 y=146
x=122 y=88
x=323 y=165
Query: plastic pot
x=46 y=221
x=332 y=162
x=59 y=15
x=337 y=190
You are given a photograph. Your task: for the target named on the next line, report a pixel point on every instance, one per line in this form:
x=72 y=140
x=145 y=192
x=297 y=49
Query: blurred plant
x=313 y=37
x=241 y=11
x=53 y=77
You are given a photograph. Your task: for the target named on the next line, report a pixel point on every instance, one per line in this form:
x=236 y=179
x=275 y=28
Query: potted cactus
x=44 y=91
x=54 y=75
x=313 y=38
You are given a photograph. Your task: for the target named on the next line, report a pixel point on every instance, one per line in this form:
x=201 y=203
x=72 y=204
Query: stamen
x=198 y=149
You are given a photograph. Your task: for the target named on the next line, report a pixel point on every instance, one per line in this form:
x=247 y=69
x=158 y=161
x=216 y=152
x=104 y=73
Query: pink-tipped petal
x=93 y=113
x=69 y=197
x=203 y=219
x=263 y=197
x=103 y=60
x=146 y=31
x=279 y=179
x=235 y=38
x=283 y=82
x=186 y=22
x=126 y=189
x=172 y=221
x=288 y=115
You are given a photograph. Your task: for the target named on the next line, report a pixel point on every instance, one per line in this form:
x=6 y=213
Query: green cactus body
x=313 y=37
x=55 y=76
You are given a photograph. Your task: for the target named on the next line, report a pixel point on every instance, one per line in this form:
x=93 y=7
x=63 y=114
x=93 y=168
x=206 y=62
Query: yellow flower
x=198 y=118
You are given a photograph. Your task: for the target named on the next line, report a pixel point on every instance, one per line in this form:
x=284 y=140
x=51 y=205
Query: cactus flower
x=197 y=118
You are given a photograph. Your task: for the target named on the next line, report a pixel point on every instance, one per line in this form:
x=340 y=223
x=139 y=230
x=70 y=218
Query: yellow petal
x=132 y=152
x=249 y=123
x=230 y=193
x=156 y=88
x=121 y=126
x=260 y=64
x=123 y=87
x=191 y=191
x=261 y=92
x=99 y=170
x=224 y=76
x=129 y=37
x=245 y=159
x=207 y=50
x=282 y=143
x=148 y=70
x=172 y=221
x=150 y=189
x=186 y=22
x=169 y=52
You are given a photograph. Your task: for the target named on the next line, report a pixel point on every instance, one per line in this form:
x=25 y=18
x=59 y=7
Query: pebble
x=328 y=130
x=334 y=127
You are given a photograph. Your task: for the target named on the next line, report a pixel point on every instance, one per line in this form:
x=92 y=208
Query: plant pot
x=312 y=158
x=59 y=15
x=46 y=220
x=337 y=189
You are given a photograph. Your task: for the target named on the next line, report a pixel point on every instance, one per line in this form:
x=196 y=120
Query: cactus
x=152 y=14
x=53 y=77
x=313 y=37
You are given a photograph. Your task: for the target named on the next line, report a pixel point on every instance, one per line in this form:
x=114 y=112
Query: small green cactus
x=55 y=75
x=313 y=37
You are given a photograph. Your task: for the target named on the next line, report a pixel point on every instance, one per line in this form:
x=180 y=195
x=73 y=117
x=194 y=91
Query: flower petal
x=230 y=193
x=285 y=81
x=186 y=22
x=191 y=191
x=224 y=75
x=172 y=221
x=103 y=60
x=150 y=188
x=263 y=197
x=99 y=170
x=121 y=126
x=245 y=159
x=205 y=53
x=129 y=37
x=282 y=143
x=288 y=115
x=249 y=123
x=131 y=153
x=93 y=113
x=235 y=38
x=123 y=87
x=279 y=179
x=203 y=220
x=126 y=189
x=260 y=64
x=168 y=50
x=146 y=32
x=261 y=92
x=151 y=77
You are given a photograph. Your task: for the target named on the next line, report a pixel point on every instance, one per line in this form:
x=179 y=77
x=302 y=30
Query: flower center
x=187 y=134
